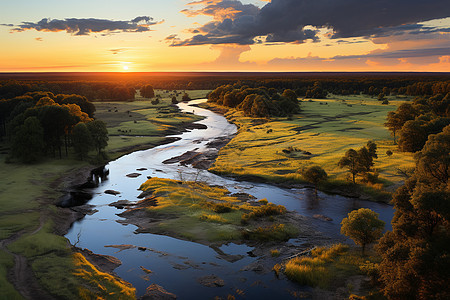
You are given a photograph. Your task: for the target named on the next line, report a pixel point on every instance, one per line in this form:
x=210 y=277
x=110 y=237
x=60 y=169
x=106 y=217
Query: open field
x=131 y=124
x=320 y=135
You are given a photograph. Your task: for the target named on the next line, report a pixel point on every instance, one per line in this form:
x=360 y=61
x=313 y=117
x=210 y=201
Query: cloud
x=408 y=58
x=87 y=26
x=117 y=51
x=399 y=54
x=285 y=20
x=39 y=39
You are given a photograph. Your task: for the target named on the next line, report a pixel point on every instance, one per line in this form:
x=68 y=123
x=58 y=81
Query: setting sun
x=125 y=68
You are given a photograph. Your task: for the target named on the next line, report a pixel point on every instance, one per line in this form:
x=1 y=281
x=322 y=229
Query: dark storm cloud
x=284 y=20
x=86 y=26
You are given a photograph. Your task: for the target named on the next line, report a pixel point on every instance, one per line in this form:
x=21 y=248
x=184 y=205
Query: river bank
x=106 y=233
x=275 y=150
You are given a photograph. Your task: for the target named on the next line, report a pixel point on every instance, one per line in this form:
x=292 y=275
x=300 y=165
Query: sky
x=224 y=35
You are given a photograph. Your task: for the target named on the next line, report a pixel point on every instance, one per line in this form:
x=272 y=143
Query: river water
x=176 y=264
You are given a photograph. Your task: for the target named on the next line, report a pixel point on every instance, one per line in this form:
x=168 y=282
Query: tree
x=55 y=120
x=147 y=91
x=314 y=175
x=415 y=254
x=413 y=136
x=350 y=161
x=28 y=141
x=361 y=161
x=362 y=226
x=82 y=140
x=396 y=119
x=290 y=94
x=185 y=97
x=174 y=100
x=99 y=134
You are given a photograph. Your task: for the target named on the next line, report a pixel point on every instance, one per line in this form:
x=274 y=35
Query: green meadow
x=209 y=214
x=140 y=123
x=320 y=135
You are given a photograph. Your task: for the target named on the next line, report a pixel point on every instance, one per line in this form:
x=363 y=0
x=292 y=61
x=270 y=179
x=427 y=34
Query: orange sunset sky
x=225 y=35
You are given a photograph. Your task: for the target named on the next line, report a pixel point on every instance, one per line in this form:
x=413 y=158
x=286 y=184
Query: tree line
x=110 y=87
x=256 y=102
x=413 y=122
x=41 y=124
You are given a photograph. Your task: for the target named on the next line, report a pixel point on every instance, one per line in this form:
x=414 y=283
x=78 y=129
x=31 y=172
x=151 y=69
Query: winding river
x=176 y=264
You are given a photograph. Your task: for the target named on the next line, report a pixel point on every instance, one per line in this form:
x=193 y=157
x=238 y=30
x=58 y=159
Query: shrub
x=275 y=252
x=220 y=208
x=279 y=232
x=264 y=211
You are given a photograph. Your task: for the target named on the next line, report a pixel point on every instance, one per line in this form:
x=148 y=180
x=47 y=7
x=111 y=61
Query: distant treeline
x=124 y=86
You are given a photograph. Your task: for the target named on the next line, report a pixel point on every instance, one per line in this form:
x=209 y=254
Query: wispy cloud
x=118 y=50
x=81 y=27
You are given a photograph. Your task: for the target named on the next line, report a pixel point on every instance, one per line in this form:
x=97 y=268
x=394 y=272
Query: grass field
x=329 y=267
x=319 y=135
x=202 y=213
x=140 y=122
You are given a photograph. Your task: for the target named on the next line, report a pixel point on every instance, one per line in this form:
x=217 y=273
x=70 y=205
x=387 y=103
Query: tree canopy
x=314 y=175
x=362 y=226
x=415 y=254
x=361 y=161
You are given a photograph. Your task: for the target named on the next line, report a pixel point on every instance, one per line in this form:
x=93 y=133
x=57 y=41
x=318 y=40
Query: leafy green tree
x=55 y=120
x=82 y=140
x=84 y=104
x=185 y=97
x=415 y=255
x=350 y=162
x=396 y=119
x=363 y=227
x=290 y=94
x=314 y=175
x=433 y=161
x=147 y=91
x=361 y=161
x=99 y=134
x=28 y=141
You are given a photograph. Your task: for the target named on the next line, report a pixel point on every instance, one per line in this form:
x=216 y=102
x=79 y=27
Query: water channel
x=176 y=264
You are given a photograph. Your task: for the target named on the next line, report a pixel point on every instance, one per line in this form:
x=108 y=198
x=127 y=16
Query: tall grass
x=313 y=270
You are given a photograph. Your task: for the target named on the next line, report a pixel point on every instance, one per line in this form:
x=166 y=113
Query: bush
x=264 y=211
x=277 y=232
x=220 y=208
